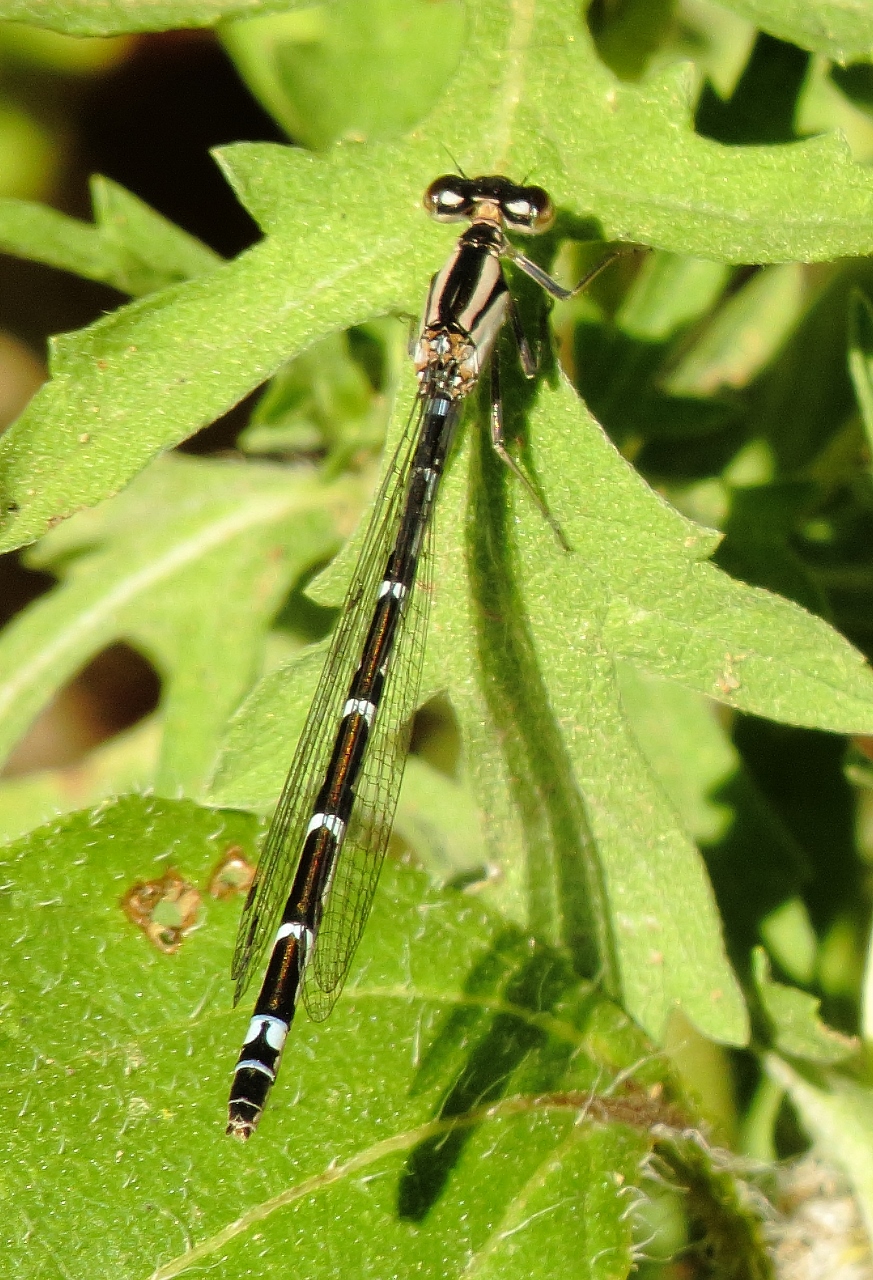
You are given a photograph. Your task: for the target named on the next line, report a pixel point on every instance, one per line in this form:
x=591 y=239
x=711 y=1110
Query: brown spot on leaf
x=232 y=874
x=165 y=909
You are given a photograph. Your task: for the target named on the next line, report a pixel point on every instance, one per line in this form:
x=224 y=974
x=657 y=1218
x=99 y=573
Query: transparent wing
x=347 y=904
x=282 y=848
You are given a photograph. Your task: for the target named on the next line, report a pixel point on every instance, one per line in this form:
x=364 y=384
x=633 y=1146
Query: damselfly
x=323 y=853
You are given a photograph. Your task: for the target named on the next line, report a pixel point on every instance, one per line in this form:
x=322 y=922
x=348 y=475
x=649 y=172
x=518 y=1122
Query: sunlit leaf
x=838 y=29
x=797 y=1029
x=115 y=17
x=347 y=241
x=129 y=245
x=455 y=1108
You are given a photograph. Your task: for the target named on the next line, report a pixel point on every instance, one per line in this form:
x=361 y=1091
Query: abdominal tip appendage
x=242 y=1120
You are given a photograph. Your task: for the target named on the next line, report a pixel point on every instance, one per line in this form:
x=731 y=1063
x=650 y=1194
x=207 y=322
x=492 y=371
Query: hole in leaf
x=165 y=909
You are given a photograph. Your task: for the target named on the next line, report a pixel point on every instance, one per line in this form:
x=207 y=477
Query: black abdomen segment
x=261 y=1053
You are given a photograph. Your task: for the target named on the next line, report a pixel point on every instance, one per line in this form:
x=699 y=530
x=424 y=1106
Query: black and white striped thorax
x=323 y=852
x=465 y=311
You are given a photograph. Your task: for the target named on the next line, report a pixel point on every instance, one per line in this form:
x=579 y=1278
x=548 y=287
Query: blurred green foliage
x=489 y=1096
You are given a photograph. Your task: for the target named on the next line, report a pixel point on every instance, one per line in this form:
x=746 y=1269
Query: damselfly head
x=451 y=198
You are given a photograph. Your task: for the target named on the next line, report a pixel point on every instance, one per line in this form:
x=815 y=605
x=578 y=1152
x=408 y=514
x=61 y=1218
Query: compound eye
x=529 y=210
x=448 y=198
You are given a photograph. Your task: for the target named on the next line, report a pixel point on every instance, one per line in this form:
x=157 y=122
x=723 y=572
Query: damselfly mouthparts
x=323 y=853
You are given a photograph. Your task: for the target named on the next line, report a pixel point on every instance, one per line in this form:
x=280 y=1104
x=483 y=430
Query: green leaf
x=616 y=598
x=754 y=864
x=158 y=566
x=797 y=1029
x=839 y=1118
x=794 y=404
x=738 y=644
x=125 y=763
x=356 y=69
x=129 y=245
x=669 y=292
x=324 y=401
x=347 y=241
x=539 y=707
x=791 y=939
x=649 y=599
x=37 y=49
x=116 y=17
x=744 y=334
x=759 y=545
x=439 y=819
x=526 y=752
x=838 y=29
x=462 y=1108
x=687 y=747
x=861 y=357
x=261 y=736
